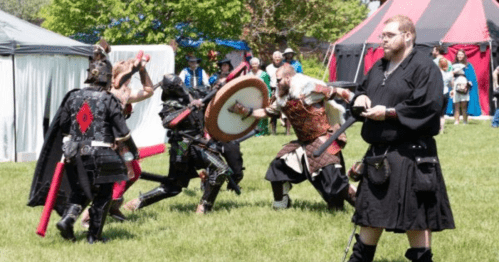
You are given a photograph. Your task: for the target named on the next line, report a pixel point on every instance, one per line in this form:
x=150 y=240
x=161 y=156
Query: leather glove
x=240 y=109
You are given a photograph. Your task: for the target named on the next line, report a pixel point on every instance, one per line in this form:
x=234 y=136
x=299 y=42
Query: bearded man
x=402 y=189
x=306 y=102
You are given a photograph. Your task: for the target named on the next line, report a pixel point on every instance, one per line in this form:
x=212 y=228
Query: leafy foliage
x=275 y=24
x=314 y=68
x=265 y=25
x=24 y=9
x=148 y=22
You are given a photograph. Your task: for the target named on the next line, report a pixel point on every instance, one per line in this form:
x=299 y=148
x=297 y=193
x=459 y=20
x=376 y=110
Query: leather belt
x=100 y=144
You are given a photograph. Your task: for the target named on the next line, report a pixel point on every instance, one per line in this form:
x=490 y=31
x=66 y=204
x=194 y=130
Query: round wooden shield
x=225 y=126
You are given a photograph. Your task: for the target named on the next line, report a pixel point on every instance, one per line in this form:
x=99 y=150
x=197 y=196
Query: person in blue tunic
x=194 y=76
x=469 y=72
x=288 y=58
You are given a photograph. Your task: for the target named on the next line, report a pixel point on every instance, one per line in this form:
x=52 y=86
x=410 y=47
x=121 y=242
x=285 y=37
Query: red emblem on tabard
x=84 y=117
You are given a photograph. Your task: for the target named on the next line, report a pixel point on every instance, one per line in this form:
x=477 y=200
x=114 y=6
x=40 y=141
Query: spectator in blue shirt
x=288 y=58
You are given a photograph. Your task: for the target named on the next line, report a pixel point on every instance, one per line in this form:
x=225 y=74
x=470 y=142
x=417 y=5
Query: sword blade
x=335 y=136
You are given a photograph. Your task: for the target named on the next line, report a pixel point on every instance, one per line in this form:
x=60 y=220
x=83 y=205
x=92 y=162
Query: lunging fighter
x=190 y=151
x=306 y=102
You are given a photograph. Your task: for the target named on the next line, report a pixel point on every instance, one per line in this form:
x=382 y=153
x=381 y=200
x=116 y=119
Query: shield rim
x=214 y=107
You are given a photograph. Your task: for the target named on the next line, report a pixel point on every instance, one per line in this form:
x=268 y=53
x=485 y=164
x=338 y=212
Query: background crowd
x=195 y=77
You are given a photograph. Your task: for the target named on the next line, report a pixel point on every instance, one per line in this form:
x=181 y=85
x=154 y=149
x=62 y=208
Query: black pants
x=330 y=181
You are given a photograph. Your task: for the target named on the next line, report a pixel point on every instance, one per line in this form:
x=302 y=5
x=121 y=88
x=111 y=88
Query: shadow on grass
x=117 y=234
x=135 y=216
x=229 y=205
x=397 y=260
x=306 y=205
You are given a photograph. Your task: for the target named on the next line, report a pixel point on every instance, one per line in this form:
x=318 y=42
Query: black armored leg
x=157 y=194
x=209 y=196
x=98 y=214
x=65 y=225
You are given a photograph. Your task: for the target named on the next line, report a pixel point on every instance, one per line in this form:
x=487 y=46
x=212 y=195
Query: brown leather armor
x=308 y=121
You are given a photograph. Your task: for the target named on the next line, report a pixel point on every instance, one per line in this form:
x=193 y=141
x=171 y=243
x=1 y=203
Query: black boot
x=419 y=254
x=98 y=213
x=157 y=194
x=114 y=210
x=362 y=252
x=281 y=195
x=65 y=225
x=208 y=199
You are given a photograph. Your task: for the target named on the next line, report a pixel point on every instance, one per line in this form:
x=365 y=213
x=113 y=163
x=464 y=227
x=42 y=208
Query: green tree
x=24 y=9
x=279 y=23
x=149 y=22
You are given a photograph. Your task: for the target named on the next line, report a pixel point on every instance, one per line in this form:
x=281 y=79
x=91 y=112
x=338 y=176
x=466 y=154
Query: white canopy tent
x=145 y=122
x=37 y=68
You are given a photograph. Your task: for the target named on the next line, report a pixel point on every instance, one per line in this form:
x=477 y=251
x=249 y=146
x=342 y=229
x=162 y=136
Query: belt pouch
x=426 y=174
x=378 y=168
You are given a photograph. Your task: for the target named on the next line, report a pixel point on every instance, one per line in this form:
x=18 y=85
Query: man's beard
x=393 y=52
x=283 y=90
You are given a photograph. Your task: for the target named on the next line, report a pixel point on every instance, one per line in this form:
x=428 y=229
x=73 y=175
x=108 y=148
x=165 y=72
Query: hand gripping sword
x=350 y=121
x=189 y=109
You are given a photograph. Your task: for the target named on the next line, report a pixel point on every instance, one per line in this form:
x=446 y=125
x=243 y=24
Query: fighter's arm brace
x=378 y=113
x=331 y=92
x=246 y=112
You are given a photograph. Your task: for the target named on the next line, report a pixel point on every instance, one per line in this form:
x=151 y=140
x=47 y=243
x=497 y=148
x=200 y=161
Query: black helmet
x=172 y=84
x=100 y=73
x=171 y=81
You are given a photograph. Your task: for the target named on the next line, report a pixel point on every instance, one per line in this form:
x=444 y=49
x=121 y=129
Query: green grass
x=245 y=228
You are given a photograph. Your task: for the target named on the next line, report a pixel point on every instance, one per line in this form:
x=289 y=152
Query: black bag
x=426 y=174
x=378 y=169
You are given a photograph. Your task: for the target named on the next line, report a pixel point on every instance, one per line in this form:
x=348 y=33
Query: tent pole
x=15 y=115
x=328 y=63
x=325 y=57
x=491 y=57
x=360 y=62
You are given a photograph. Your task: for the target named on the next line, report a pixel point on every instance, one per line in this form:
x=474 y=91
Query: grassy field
x=245 y=228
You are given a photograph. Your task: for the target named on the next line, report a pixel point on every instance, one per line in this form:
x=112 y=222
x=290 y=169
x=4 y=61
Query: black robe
x=414 y=89
x=50 y=155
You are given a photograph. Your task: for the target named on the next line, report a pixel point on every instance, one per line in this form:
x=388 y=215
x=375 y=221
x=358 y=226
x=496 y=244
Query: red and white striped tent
x=472 y=25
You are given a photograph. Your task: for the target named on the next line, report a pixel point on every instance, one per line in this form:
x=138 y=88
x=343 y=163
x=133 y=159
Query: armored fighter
x=91 y=121
x=190 y=150
x=306 y=101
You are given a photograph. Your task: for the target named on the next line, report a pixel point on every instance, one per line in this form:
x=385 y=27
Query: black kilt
x=396 y=205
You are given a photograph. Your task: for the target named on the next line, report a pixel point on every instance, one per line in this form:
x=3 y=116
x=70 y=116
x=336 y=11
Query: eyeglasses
x=388 y=35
